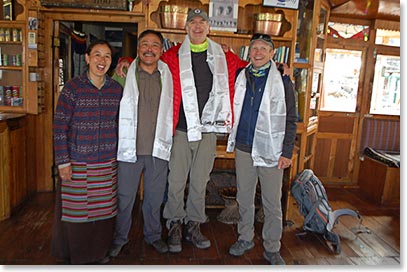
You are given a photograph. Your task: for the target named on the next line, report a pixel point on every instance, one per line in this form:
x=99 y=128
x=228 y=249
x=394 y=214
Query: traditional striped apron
x=92 y=193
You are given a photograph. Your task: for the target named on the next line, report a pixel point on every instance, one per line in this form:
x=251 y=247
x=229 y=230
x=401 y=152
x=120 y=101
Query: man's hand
x=122 y=66
x=225 y=47
x=284 y=163
x=287 y=69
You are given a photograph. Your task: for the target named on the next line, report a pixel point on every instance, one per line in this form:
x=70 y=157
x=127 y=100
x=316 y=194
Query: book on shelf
x=168 y=44
x=281 y=54
x=244 y=53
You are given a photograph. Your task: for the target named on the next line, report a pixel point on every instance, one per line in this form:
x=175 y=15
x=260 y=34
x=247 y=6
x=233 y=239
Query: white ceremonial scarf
x=270 y=126
x=216 y=115
x=128 y=116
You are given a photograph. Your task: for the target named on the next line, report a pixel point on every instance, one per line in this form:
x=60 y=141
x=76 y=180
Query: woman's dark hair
x=93 y=44
x=150 y=31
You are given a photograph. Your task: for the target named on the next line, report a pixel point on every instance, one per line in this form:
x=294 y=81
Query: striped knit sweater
x=86 y=120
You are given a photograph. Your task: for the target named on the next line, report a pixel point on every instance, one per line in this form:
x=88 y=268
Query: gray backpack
x=313 y=204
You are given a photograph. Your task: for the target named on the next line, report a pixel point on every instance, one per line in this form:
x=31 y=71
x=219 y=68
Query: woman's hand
x=66 y=173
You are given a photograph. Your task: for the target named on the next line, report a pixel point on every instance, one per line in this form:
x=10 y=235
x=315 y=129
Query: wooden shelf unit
x=247 y=9
x=16 y=94
x=308 y=69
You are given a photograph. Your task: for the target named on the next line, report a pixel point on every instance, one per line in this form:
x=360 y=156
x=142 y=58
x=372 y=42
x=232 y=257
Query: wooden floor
x=25 y=238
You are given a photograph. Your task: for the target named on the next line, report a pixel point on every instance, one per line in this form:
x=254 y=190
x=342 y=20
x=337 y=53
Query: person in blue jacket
x=263 y=135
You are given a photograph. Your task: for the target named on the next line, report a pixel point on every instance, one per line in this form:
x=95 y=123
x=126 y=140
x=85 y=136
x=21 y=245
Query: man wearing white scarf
x=203 y=77
x=145 y=140
x=263 y=134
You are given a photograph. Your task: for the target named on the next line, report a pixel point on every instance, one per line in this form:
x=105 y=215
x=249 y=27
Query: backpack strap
x=309 y=216
x=313 y=211
x=333 y=217
x=335 y=241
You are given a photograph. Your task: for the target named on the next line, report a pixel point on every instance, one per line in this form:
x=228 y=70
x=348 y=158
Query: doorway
x=339 y=115
x=48 y=53
x=73 y=39
x=75 y=36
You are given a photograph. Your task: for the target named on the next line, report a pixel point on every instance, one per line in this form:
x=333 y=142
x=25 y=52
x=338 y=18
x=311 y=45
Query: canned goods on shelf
x=13 y=60
x=2 y=96
x=15 y=91
x=19 y=35
x=14 y=34
x=7 y=35
x=1 y=34
x=5 y=60
x=7 y=95
x=18 y=60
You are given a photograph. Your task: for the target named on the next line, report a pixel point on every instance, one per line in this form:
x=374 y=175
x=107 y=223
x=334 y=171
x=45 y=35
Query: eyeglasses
x=259 y=36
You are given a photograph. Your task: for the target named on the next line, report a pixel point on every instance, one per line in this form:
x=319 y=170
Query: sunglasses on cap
x=264 y=37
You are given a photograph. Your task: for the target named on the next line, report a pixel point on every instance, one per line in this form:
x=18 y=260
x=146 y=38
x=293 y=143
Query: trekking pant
x=155 y=179
x=271 y=180
x=196 y=159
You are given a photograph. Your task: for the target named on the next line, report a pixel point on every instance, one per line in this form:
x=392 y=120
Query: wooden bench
x=379 y=181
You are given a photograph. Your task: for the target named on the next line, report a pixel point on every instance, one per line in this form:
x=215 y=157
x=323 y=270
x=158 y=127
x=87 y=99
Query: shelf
x=7 y=115
x=17 y=100
x=313 y=120
x=300 y=127
x=171 y=30
x=10 y=43
x=12 y=68
x=301 y=65
x=222 y=34
x=12 y=109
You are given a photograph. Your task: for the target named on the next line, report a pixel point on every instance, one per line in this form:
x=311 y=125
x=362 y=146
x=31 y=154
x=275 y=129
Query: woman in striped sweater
x=85 y=146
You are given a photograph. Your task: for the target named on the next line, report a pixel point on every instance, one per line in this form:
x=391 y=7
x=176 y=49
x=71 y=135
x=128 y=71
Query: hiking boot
x=160 y=246
x=115 y=250
x=175 y=237
x=193 y=234
x=102 y=261
x=274 y=258
x=240 y=247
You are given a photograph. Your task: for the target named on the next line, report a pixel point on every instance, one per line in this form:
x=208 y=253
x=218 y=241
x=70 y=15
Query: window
x=341 y=80
x=386 y=86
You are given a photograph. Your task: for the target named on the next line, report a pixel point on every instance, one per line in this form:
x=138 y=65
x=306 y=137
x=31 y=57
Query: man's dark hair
x=154 y=32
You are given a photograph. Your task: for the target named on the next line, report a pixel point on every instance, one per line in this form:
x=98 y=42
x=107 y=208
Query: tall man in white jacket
x=263 y=134
x=145 y=141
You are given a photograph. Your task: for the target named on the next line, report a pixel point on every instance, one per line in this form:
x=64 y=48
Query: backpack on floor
x=313 y=204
